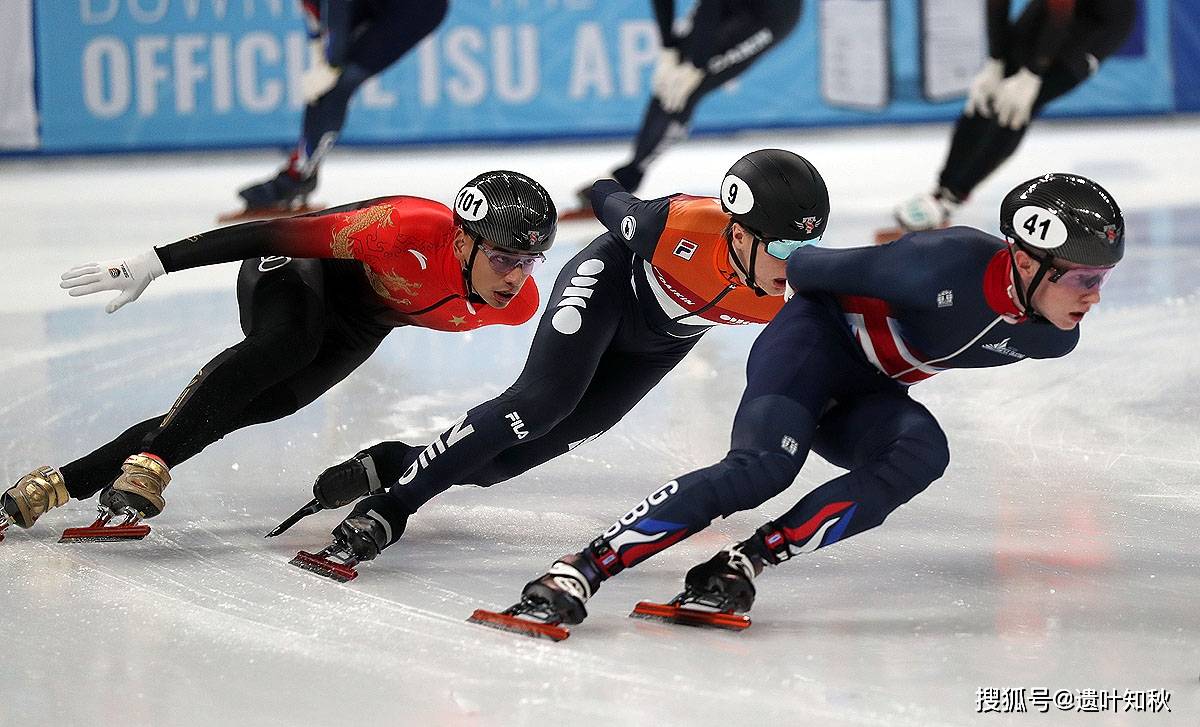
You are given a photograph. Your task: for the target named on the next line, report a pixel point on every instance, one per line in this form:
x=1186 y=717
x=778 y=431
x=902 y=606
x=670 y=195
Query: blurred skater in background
x=349 y=42
x=718 y=41
x=1053 y=46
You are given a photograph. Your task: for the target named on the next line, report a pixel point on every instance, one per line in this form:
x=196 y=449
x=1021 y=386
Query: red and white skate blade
x=671 y=613
x=99 y=532
x=577 y=215
x=517 y=625
x=267 y=213
x=340 y=572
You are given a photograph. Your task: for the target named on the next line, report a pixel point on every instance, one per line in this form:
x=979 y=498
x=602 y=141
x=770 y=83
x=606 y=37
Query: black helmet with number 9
x=777 y=195
x=509 y=210
x=1065 y=217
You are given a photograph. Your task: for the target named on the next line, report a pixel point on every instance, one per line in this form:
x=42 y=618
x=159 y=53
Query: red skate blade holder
x=322 y=566
x=522 y=626
x=100 y=531
x=676 y=614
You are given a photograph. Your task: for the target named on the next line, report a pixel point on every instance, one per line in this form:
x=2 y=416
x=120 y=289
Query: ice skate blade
x=314 y=563
x=580 y=214
x=524 y=627
x=267 y=213
x=684 y=616
x=99 y=533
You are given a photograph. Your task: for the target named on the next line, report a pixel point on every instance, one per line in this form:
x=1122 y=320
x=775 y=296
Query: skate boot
x=716 y=593
x=34 y=494
x=927 y=211
x=135 y=494
x=376 y=523
x=286 y=191
x=565 y=588
x=339 y=486
x=556 y=598
x=139 y=487
x=725 y=581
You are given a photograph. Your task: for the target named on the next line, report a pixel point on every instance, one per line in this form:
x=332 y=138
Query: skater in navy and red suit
x=830 y=374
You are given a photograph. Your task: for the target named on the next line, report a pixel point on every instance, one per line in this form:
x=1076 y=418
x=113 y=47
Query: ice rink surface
x=1058 y=552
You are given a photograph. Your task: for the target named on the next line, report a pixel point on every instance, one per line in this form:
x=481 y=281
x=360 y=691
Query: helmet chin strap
x=471 y=293
x=1025 y=295
x=737 y=263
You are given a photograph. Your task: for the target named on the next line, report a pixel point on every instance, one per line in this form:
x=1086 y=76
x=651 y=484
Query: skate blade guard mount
x=687 y=610
x=539 y=623
x=341 y=571
x=100 y=531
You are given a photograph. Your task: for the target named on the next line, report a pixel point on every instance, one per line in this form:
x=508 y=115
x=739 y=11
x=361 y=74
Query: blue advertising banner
x=152 y=74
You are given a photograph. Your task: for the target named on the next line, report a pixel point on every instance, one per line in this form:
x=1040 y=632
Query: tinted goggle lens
x=782 y=248
x=1084 y=279
x=504 y=263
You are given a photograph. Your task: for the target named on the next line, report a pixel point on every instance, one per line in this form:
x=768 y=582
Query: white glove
x=674 y=80
x=1014 y=99
x=668 y=58
x=983 y=89
x=129 y=276
x=319 y=77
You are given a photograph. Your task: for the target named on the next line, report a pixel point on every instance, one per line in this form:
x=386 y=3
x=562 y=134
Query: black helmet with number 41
x=1065 y=217
x=509 y=210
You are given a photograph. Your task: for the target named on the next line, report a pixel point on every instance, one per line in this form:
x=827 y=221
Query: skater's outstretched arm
x=902 y=272
x=326 y=234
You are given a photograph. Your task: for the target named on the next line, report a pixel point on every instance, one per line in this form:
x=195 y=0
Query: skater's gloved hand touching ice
x=1014 y=99
x=129 y=277
x=983 y=89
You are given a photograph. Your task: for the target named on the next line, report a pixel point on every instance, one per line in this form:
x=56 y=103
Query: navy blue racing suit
x=831 y=374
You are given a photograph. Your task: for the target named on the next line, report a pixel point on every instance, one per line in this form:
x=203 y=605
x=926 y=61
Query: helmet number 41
x=1040 y=227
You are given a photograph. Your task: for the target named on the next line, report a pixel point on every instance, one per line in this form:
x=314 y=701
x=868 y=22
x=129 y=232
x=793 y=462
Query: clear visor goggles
x=1082 y=279
x=504 y=262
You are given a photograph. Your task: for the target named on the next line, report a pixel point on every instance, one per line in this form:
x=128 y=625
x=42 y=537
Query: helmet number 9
x=736 y=195
x=470 y=204
x=1039 y=227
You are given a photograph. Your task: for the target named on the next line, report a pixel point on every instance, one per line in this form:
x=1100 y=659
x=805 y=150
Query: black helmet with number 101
x=776 y=195
x=509 y=210
x=1065 y=217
